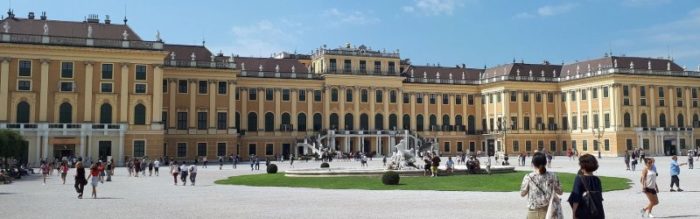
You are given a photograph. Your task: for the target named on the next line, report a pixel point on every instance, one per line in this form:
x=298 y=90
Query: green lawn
x=506 y=182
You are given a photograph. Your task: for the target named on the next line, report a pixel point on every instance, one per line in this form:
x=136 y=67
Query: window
x=594 y=93
x=333 y=66
x=606 y=92
x=552 y=146
x=585 y=121
x=67 y=86
x=419 y=98
x=348 y=95
x=106 y=113
x=363 y=66
x=24 y=85
x=573 y=145
x=252 y=122
x=513 y=96
x=538 y=97
x=606 y=120
x=22 y=112
x=447 y=146
x=596 y=121
x=285 y=94
x=252 y=149
x=237 y=93
x=679 y=97
x=528 y=145
x=140 y=88
x=181 y=149
x=317 y=95
x=563 y=146
x=526 y=123
x=347 y=66
x=432 y=98
x=392 y=96
x=606 y=145
x=164 y=119
x=419 y=123
x=269 y=122
x=364 y=96
x=643 y=120
x=627 y=120
x=223 y=87
x=377 y=66
x=181 y=120
x=317 y=122
x=140 y=72
x=458 y=99
x=470 y=99
x=139 y=148
x=584 y=94
x=460 y=146
x=253 y=94
x=301 y=119
x=66 y=70
x=203 y=87
x=514 y=123
x=573 y=95
x=574 y=122
x=550 y=97
x=585 y=145
x=516 y=146
x=221 y=149
x=564 y=123
x=694 y=93
x=269 y=94
x=596 y=145
x=25 y=68
x=445 y=99
x=165 y=86
x=661 y=92
x=662 y=120
x=107 y=71
x=302 y=95
x=563 y=96
x=645 y=143
x=201 y=149
x=221 y=118
x=391 y=68
x=526 y=97
x=139 y=114
x=269 y=149
x=201 y=120
x=406 y=98
x=182 y=86
x=379 y=96
x=65 y=113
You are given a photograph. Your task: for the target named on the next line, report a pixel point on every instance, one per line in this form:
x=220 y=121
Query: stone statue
x=243 y=66
x=125 y=35
x=517 y=72
x=172 y=56
x=554 y=73
x=450 y=76
x=437 y=75
x=212 y=58
x=193 y=56
x=668 y=66
x=403 y=157
x=530 y=73
x=6 y=27
x=631 y=65
x=615 y=63
x=649 y=65
x=542 y=73
x=260 y=68
x=411 y=73
x=89 y=34
x=277 y=68
x=158 y=36
x=46 y=29
x=293 y=69
x=425 y=75
x=463 y=76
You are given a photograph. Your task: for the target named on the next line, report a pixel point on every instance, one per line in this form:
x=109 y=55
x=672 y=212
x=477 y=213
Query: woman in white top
x=649 y=187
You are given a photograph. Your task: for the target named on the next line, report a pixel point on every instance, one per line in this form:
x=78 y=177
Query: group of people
x=432 y=162
x=139 y=166
x=631 y=158
x=96 y=176
x=183 y=170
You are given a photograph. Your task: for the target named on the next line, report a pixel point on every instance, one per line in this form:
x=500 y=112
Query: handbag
x=554 y=210
x=588 y=199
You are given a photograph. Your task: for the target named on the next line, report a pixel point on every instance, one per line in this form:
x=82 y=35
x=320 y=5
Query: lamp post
x=598 y=134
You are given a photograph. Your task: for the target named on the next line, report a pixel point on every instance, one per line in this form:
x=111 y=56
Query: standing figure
x=80 y=180
x=649 y=187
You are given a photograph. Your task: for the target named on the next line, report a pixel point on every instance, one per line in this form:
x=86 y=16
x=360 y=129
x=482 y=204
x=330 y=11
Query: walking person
x=675 y=171
x=384 y=160
x=235 y=161
x=80 y=180
x=64 y=171
x=183 y=173
x=291 y=161
x=627 y=159
x=205 y=161
x=94 y=175
x=175 y=170
x=252 y=162
x=539 y=186
x=45 y=170
x=690 y=159
x=101 y=169
x=150 y=168
x=156 y=165
x=221 y=162
x=434 y=165
x=137 y=167
x=649 y=187
x=193 y=173
x=110 y=170
x=144 y=164
x=633 y=165
x=587 y=190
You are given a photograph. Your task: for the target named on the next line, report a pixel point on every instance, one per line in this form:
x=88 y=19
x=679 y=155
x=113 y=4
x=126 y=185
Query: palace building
x=96 y=89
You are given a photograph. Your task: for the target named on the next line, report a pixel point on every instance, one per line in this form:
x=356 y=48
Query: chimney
x=464 y=66
x=43 y=15
x=107 y=20
x=30 y=16
x=10 y=14
x=93 y=18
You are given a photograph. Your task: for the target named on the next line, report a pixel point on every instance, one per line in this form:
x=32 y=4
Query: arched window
x=433 y=122
x=643 y=120
x=364 y=95
x=459 y=123
x=406 y=122
x=696 y=121
x=627 y=120
x=393 y=120
x=106 y=113
x=419 y=123
x=445 y=120
x=23 y=112
x=379 y=95
x=139 y=114
x=364 y=122
x=662 y=120
x=65 y=113
x=349 y=122
x=680 y=123
x=348 y=95
x=471 y=124
x=379 y=122
x=334 y=121
x=252 y=122
x=334 y=95
x=392 y=96
x=286 y=121
x=301 y=119
x=269 y=122
x=318 y=122
x=238 y=120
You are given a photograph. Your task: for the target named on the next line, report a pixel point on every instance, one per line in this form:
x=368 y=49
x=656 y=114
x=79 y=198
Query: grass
x=506 y=182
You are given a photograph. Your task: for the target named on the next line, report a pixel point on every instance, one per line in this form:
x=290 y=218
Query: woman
x=586 y=183
x=45 y=169
x=175 y=170
x=64 y=171
x=95 y=176
x=79 y=179
x=649 y=187
x=539 y=186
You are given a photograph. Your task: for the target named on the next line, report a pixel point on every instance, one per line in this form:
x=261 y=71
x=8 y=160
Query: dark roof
x=637 y=63
x=269 y=64
x=524 y=70
x=184 y=52
x=69 y=29
x=431 y=72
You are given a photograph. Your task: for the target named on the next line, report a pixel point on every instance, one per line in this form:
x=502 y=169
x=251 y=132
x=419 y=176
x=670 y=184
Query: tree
x=12 y=145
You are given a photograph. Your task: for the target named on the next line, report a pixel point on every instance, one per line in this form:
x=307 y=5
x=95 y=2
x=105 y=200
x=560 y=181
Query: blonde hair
x=79 y=164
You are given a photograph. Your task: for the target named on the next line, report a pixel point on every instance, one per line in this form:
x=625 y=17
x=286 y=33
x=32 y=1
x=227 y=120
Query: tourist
x=434 y=165
x=642 y=154
x=156 y=165
x=427 y=161
x=183 y=173
x=64 y=171
x=175 y=170
x=252 y=162
x=384 y=160
x=150 y=168
x=549 y=160
x=690 y=159
x=627 y=159
x=101 y=170
x=675 y=171
x=633 y=164
x=449 y=166
x=137 y=167
x=539 y=186
x=130 y=167
x=267 y=161
x=193 y=173
x=221 y=162
x=80 y=180
x=45 y=170
x=291 y=160
x=235 y=161
x=205 y=161
x=94 y=175
x=363 y=161
x=110 y=170
x=587 y=184
x=649 y=187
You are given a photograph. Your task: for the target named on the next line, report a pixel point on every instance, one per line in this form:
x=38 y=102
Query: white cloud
x=643 y=3
x=349 y=17
x=548 y=10
x=265 y=37
x=433 y=7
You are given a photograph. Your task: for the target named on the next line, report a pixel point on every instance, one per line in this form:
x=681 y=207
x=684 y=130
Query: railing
x=62 y=126
x=266 y=74
x=607 y=71
x=355 y=52
x=663 y=129
x=78 y=41
x=359 y=72
x=200 y=64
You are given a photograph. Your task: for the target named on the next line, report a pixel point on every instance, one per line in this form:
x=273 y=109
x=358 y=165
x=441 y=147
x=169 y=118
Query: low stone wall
x=330 y=172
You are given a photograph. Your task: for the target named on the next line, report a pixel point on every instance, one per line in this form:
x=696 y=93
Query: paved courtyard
x=149 y=197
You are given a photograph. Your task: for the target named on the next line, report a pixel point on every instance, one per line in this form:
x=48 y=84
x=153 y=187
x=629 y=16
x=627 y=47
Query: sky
x=477 y=33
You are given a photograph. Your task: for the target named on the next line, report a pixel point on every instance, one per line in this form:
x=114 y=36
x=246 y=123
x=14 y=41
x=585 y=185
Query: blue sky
x=449 y=32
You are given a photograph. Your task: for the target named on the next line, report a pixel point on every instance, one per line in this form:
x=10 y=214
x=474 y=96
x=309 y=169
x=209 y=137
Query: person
x=183 y=173
x=649 y=187
x=291 y=160
x=627 y=159
x=95 y=176
x=175 y=170
x=384 y=160
x=690 y=159
x=449 y=166
x=101 y=169
x=193 y=173
x=539 y=186
x=156 y=165
x=434 y=165
x=80 y=180
x=427 y=162
x=205 y=161
x=110 y=170
x=221 y=162
x=633 y=165
x=150 y=168
x=257 y=163
x=45 y=169
x=642 y=154
x=587 y=184
x=363 y=161
x=675 y=171
x=144 y=164
x=235 y=161
x=64 y=171
x=137 y=167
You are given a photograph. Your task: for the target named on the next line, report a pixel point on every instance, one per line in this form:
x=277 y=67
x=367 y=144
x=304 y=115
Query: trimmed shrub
x=391 y=178
x=325 y=165
x=272 y=169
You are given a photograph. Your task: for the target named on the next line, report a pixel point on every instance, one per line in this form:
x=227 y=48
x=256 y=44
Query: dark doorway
x=286 y=149
x=669 y=148
x=491 y=147
x=367 y=146
x=63 y=150
x=105 y=149
x=300 y=150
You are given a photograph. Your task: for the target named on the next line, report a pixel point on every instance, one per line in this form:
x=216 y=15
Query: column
x=487 y=113
x=438 y=101
x=520 y=112
x=193 y=110
x=601 y=114
x=44 y=95
x=399 y=105
x=294 y=119
x=82 y=143
x=651 y=117
x=452 y=110
x=88 y=94
x=342 y=97
x=157 y=96
x=688 y=115
x=568 y=109
x=124 y=96
x=211 y=113
x=372 y=102
x=671 y=116
x=310 y=114
x=172 y=89
x=232 y=105
x=478 y=116
x=412 y=100
x=244 y=109
x=261 y=108
x=278 y=105
x=589 y=98
x=533 y=113
x=327 y=107
x=386 y=109
x=426 y=114
x=612 y=97
x=45 y=143
x=579 y=116
x=356 y=102
x=635 y=106
x=4 y=89
x=545 y=111
x=121 y=147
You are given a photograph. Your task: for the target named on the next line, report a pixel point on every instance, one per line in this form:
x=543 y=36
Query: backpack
x=589 y=201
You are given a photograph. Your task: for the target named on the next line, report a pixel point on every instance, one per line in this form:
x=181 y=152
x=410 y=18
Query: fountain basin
x=331 y=172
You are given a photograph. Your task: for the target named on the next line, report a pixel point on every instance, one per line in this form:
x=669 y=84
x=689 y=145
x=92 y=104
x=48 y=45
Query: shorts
x=95 y=181
x=650 y=191
x=63 y=175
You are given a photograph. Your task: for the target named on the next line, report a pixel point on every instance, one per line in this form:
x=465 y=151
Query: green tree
x=12 y=145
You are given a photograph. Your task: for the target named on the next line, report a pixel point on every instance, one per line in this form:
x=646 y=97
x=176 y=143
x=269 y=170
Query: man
x=221 y=162
x=193 y=173
x=675 y=171
x=627 y=159
x=435 y=164
x=450 y=165
x=690 y=158
x=156 y=165
x=205 y=161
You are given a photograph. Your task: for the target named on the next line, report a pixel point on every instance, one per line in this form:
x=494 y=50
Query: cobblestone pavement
x=157 y=197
